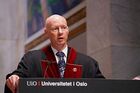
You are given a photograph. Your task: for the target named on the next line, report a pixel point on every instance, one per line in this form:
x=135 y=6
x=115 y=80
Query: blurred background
x=107 y=30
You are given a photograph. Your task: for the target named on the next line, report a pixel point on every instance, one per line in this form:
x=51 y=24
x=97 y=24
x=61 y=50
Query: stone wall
x=12 y=35
x=113 y=36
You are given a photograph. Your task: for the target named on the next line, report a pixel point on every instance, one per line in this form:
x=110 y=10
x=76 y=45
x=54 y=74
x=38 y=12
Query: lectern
x=85 y=85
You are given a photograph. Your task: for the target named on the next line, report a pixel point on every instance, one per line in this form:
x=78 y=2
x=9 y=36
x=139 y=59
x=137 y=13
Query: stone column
x=98 y=34
x=12 y=35
x=125 y=38
x=113 y=36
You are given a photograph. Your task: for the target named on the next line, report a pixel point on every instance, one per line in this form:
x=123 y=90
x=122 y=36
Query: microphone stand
x=47 y=67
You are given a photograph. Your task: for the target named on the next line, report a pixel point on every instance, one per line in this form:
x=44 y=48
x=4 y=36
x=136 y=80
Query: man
x=55 y=61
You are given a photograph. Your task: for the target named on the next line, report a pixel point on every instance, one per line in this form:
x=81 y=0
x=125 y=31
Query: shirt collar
x=65 y=50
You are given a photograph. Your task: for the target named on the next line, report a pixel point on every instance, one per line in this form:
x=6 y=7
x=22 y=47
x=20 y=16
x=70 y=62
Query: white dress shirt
x=65 y=51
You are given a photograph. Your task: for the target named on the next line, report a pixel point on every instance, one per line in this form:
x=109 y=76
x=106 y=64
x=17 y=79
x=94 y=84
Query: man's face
x=57 y=31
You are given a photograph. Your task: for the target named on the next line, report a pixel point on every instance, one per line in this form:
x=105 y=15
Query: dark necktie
x=61 y=63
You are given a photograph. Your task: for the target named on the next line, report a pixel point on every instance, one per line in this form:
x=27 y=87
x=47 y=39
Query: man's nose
x=60 y=30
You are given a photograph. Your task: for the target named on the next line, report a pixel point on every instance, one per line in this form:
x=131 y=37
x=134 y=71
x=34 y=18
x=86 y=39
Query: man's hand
x=12 y=82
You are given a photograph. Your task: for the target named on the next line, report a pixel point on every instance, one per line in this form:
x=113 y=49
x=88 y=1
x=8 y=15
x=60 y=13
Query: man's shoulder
x=34 y=53
x=84 y=57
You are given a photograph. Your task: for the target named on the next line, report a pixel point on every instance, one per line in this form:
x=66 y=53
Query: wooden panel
x=77 y=31
x=77 y=16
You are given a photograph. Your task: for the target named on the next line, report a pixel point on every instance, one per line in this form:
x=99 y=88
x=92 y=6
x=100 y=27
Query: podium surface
x=85 y=85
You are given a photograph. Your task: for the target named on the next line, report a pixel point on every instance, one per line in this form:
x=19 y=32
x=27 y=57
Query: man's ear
x=45 y=30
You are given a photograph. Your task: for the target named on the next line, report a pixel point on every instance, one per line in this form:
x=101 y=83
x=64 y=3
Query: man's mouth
x=60 y=38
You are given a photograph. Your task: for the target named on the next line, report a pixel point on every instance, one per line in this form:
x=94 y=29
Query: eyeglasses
x=63 y=28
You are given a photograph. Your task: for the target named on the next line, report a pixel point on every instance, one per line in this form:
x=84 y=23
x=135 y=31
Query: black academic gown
x=42 y=63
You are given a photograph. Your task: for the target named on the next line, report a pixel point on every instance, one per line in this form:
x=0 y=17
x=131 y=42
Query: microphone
x=47 y=67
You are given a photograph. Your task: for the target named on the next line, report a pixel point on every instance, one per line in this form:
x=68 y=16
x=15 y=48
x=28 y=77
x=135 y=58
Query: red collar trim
x=71 y=55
